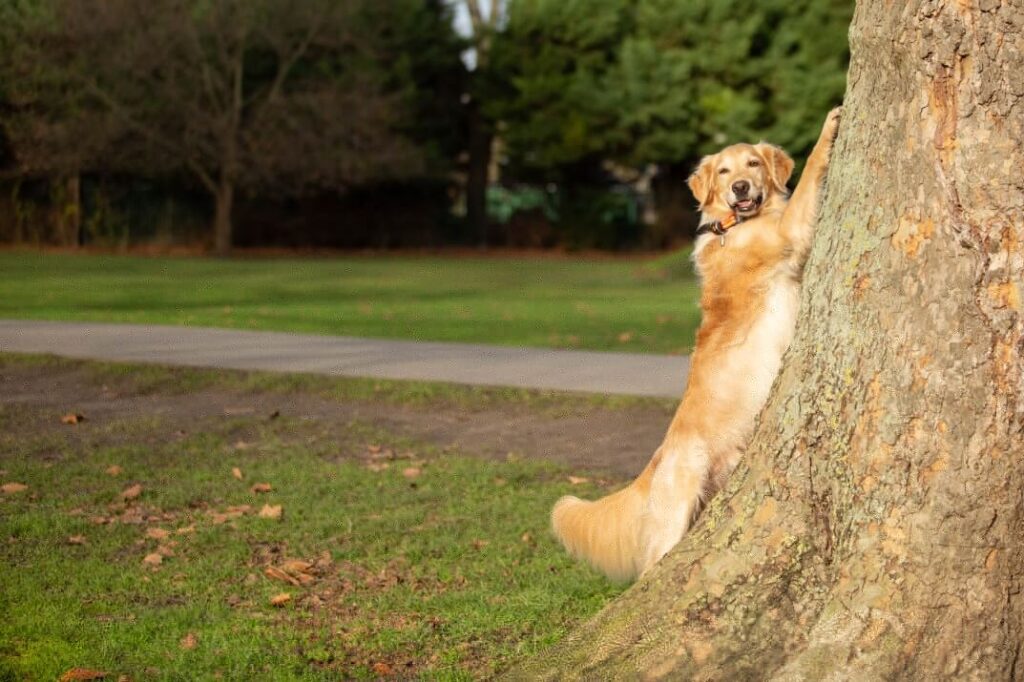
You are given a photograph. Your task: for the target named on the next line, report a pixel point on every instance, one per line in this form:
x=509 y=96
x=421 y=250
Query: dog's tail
x=608 y=532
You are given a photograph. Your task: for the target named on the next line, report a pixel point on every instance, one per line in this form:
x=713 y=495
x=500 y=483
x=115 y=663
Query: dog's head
x=741 y=178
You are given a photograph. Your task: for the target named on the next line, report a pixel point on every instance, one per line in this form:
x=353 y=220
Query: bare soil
x=611 y=442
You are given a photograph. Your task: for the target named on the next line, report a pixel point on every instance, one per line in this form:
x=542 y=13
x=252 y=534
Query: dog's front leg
x=798 y=219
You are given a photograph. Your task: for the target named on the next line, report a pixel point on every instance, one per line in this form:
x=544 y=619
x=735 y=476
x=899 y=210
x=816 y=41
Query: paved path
x=590 y=371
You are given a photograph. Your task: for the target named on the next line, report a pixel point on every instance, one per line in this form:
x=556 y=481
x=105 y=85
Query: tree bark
x=875 y=530
x=477 y=180
x=224 y=201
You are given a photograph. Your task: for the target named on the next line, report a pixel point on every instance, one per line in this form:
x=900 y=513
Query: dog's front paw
x=831 y=127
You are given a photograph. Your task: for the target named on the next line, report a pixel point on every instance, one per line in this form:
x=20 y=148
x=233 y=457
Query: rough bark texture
x=875 y=529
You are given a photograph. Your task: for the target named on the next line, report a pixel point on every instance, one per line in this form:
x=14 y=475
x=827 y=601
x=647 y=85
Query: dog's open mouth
x=749 y=205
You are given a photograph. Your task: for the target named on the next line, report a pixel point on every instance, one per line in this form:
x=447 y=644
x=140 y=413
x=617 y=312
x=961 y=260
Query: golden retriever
x=753 y=242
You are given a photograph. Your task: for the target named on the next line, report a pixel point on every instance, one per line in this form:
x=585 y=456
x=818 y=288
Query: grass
x=425 y=563
x=623 y=305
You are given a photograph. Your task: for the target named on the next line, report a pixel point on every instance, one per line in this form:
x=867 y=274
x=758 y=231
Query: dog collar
x=720 y=227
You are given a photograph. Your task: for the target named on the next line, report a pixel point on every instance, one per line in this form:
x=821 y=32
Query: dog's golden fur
x=749 y=303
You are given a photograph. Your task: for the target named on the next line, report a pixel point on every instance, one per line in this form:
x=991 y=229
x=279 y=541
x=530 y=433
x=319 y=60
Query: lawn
x=601 y=304
x=143 y=542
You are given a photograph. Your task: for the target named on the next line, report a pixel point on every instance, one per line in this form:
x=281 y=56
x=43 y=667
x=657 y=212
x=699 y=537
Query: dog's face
x=741 y=178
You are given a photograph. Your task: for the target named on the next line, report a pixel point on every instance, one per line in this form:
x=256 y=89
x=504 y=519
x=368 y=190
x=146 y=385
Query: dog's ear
x=700 y=181
x=778 y=163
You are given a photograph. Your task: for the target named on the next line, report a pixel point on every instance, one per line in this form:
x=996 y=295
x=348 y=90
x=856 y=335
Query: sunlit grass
x=625 y=305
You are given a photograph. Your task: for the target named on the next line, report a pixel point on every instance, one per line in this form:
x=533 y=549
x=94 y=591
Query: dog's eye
x=723 y=171
x=753 y=163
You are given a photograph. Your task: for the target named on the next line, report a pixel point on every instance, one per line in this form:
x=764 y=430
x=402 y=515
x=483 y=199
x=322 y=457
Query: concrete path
x=590 y=371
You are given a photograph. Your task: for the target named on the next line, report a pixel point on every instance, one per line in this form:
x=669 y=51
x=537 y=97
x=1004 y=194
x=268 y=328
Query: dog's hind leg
x=676 y=494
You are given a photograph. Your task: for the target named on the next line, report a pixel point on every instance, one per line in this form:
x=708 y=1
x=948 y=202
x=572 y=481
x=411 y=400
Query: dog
x=753 y=241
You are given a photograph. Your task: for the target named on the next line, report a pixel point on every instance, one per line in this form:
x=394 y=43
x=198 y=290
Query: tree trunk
x=875 y=530
x=222 y=218
x=73 y=211
x=480 y=140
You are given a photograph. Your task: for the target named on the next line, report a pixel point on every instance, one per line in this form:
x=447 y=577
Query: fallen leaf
x=114 y=470
x=72 y=418
x=237 y=473
x=154 y=559
x=324 y=560
x=82 y=674
x=13 y=487
x=480 y=544
x=186 y=529
x=76 y=540
x=132 y=492
x=374 y=449
x=527 y=537
x=189 y=641
x=165 y=550
x=378 y=466
x=296 y=566
x=382 y=669
x=280 y=599
x=576 y=480
x=276 y=573
x=412 y=472
x=261 y=488
x=271 y=511
x=157 y=533
x=241 y=445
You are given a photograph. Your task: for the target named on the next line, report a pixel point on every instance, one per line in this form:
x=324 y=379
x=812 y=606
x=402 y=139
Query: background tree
x=486 y=18
x=876 y=527
x=256 y=94
x=665 y=82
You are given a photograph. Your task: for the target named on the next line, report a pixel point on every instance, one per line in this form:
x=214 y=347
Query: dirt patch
x=616 y=442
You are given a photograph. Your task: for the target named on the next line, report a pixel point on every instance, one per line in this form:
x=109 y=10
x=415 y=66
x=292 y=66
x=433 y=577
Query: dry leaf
x=189 y=641
x=271 y=511
x=576 y=480
x=411 y=472
x=625 y=337
x=277 y=574
x=527 y=538
x=72 y=418
x=280 y=599
x=241 y=445
x=131 y=493
x=378 y=466
x=374 y=449
x=157 y=533
x=480 y=544
x=154 y=559
x=165 y=550
x=186 y=529
x=324 y=561
x=382 y=669
x=296 y=566
x=13 y=487
x=82 y=674
x=114 y=470
x=262 y=488
x=237 y=473
x=76 y=540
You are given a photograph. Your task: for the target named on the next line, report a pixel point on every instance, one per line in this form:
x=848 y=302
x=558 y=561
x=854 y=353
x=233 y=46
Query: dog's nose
x=740 y=188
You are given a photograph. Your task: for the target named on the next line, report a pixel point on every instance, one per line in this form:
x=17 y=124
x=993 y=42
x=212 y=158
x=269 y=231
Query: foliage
x=665 y=81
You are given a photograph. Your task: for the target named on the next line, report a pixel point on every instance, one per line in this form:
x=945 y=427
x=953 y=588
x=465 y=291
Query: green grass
x=562 y=303
x=450 y=574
